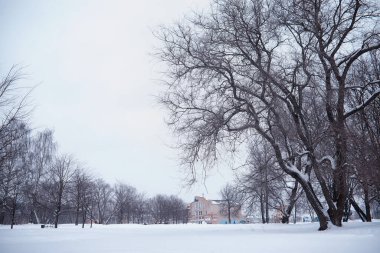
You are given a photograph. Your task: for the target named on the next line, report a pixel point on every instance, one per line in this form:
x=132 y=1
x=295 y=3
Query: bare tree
x=14 y=170
x=125 y=197
x=178 y=210
x=364 y=137
x=12 y=102
x=231 y=202
x=103 y=195
x=141 y=209
x=41 y=154
x=333 y=35
x=60 y=175
x=167 y=209
x=87 y=200
x=81 y=193
x=12 y=114
x=279 y=69
x=257 y=181
x=266 y=187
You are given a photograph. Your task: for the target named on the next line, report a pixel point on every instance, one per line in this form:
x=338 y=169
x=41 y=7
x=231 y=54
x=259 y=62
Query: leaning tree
x=279 y=69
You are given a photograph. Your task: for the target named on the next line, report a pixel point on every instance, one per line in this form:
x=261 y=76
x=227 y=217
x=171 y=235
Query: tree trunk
x=56 y=216
x=229 y=213
x=57 y=211
x=84 y=217
x=292 y=202
x=316 y=205
x=33 y=213
x=266 y=196
x=360 y=212
x=340 y=189
x=77 y=216
x=285 y=219
x=121 y=216
x=34 y=209
x=14 y=206
x=367 y=205
x=347 y=210
x=36 y=217
x=91 y=218
x=262 y=208
x=2 y=216
x=306 y=186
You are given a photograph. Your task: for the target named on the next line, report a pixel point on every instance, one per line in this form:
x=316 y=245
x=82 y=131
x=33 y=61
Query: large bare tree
x=279 y=69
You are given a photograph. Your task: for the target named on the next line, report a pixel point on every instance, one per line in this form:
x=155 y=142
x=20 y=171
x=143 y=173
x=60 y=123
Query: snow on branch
x=359 y=87
x=374 y=82
x=303 y=153
x=364 y=104
x=293 y=168
x=329 y=158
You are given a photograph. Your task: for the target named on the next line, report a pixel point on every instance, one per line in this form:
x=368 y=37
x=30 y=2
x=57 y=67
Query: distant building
x=209 y=211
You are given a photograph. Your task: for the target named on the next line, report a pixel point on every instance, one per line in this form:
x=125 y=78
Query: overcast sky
x=97 y=83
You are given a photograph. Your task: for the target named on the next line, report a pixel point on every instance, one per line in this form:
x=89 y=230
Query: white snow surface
x=352 y=238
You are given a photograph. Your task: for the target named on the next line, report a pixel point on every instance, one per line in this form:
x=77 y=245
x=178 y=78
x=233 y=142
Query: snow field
x=354 y=237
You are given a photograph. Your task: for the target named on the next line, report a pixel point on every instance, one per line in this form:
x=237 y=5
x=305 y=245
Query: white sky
x=97 y=82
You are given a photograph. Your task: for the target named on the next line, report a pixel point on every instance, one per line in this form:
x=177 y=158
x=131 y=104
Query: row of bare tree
x=298 y=81
x=39 y=185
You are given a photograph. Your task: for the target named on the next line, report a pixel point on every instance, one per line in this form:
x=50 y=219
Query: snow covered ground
x=353 y=237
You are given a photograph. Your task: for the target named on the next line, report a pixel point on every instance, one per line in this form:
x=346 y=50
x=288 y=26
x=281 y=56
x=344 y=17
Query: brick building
x=202 y=210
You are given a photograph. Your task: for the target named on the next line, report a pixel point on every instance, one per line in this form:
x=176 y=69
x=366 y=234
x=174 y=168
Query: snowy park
x=304 y=237
x=192 y=126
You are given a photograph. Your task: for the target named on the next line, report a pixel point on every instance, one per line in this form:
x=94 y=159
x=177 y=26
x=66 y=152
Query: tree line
x=41 y=186
x=297 y=83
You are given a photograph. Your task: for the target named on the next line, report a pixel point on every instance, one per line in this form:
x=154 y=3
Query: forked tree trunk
x=306 y=186
x=359 y=211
